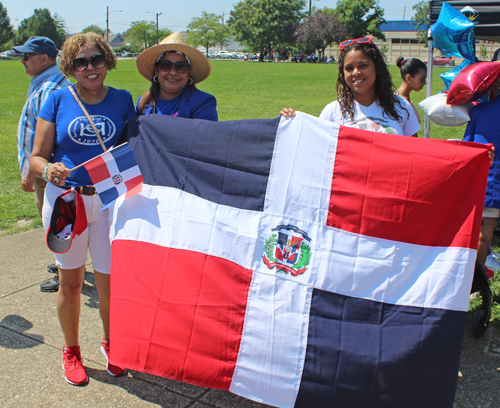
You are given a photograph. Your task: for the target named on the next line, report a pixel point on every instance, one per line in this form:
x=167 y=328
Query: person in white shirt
x=366 y=96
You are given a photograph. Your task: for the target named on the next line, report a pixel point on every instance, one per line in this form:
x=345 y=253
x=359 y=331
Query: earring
x=190 y=81
x=155 y=78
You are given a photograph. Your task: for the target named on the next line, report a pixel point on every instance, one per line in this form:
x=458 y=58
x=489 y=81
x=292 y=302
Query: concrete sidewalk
x=31 y=341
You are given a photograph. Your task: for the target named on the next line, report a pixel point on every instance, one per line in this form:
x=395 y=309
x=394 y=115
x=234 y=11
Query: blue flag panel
x=216 y=161
x=366 y=354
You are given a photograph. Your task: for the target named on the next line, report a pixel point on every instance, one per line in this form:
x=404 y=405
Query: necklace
x=101 y=97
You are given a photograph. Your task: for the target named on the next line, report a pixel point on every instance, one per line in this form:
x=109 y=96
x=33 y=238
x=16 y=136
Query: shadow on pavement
x=20 y=325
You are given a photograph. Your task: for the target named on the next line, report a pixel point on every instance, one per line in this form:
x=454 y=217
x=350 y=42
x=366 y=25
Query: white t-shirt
x=373 y=118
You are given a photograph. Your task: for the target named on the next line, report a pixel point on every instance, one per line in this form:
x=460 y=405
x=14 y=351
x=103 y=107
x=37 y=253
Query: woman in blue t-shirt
x=64 y=139
x=174 y=69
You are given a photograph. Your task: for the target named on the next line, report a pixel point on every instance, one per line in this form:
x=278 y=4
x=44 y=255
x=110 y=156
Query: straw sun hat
x=200 y=67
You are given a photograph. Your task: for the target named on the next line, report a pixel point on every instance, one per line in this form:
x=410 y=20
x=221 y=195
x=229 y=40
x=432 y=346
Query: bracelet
x=44 y=171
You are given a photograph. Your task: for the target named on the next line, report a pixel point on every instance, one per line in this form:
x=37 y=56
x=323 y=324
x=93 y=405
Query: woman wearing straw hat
x=174 y=68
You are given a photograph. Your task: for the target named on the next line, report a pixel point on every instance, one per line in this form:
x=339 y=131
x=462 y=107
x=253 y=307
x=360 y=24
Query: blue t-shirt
x=166 y=107
x=75 y=141
x=484 y=127
x=192 y=104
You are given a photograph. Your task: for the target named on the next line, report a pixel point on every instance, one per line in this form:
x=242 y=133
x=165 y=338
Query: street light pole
x=107 y=21
x=310 y=5
x=157 y=14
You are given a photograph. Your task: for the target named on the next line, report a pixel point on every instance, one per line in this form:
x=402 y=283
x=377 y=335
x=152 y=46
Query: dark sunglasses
x=24 y=57
x=97 y=61
x=166 y=65
x=363 y=40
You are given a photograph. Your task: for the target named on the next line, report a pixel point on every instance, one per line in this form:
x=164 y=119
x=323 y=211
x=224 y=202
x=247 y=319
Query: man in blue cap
x=39 y=60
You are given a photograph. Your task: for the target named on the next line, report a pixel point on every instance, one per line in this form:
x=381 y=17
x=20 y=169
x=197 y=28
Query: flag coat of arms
x=296 y=262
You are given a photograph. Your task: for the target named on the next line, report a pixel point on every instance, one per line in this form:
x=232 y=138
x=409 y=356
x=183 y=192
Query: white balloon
x=443 y=114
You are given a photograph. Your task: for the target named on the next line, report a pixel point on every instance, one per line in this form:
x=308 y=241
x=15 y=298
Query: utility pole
x=107 y=23
x=157 y=14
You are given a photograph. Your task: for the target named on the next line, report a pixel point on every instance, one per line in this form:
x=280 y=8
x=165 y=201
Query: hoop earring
x=155 y=78
x=190 y=81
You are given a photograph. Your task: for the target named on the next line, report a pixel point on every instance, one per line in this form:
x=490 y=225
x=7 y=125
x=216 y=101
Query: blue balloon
x=449 y=76
x=453 y=34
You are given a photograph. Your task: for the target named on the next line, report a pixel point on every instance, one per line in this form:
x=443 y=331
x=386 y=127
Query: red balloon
x=473 y=82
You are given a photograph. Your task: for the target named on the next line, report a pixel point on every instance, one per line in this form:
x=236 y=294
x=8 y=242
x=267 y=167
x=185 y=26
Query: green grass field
x=244 y=90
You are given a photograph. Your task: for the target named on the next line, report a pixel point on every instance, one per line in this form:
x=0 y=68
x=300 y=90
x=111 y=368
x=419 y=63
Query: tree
x=61 y=25
x=207 y=31
x=6 y=29
x=421 y=20
x=265 y=23
x=162 y=33
x=93 y=28
x=142 y=34
x=361 y=17
x=41 y=23
x=320 y=30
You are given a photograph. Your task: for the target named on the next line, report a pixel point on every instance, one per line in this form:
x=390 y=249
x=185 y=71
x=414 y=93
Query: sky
x=81 y=14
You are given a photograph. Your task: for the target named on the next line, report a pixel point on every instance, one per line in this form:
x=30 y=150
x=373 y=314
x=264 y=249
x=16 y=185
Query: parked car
x=9 y=53
x=240 y=55
x=442 y=60
x=224 y=55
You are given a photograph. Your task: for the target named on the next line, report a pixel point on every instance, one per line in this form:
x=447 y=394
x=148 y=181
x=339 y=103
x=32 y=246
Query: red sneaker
x=112 y=369
x=490 y=273
x=73 y=366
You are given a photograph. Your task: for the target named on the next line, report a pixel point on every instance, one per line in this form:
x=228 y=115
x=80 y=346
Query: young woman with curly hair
x=365 y=93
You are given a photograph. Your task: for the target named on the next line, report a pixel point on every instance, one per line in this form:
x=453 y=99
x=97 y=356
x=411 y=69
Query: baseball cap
x=68 y=221
x=43 y=45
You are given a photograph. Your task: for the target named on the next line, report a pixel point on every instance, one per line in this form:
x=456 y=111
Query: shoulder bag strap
x=88 y=117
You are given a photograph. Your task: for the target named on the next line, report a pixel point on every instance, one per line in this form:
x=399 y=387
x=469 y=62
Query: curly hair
x=384 y=88
x=72 y=46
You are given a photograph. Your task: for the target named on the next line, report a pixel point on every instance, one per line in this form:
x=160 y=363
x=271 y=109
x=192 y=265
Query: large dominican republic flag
x=296 y=262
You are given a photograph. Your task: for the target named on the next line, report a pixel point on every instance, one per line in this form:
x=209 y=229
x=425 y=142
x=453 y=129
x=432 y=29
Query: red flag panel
x=98 y=171
x=181 y=324
x=381 y=189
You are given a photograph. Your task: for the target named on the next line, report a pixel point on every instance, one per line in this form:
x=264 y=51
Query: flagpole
x=80 y=165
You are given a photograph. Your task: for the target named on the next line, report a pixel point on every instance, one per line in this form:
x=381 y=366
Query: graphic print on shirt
x=81 y=132
x=375 y=125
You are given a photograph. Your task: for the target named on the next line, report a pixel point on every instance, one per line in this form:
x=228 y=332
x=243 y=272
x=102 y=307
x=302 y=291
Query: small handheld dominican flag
x=115 y=173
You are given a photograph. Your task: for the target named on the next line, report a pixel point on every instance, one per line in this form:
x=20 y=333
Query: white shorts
x=490 y=212
x=95 y=238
